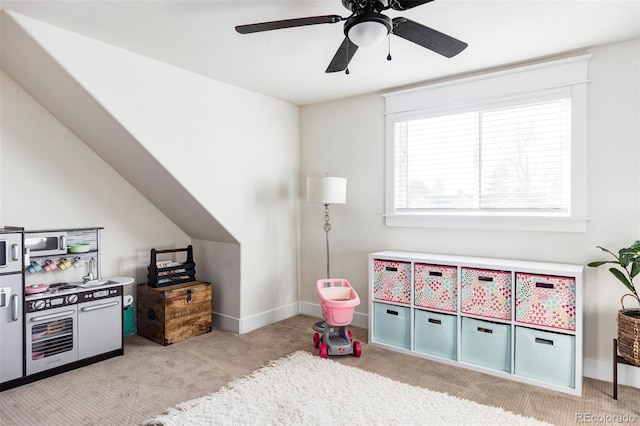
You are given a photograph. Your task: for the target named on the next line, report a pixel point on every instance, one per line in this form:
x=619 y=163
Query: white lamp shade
x=368 y=33
x=327 y=190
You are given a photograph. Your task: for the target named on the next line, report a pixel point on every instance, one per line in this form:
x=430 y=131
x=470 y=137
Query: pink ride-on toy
x=338 y=300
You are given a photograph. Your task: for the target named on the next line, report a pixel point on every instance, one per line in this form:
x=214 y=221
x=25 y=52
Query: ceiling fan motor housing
x=366 y=16
x=355 y=5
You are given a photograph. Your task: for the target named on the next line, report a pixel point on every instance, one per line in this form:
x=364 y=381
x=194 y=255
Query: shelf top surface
x=480 y=262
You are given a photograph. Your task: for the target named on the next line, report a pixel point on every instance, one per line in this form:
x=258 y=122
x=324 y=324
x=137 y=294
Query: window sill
x=506 y=223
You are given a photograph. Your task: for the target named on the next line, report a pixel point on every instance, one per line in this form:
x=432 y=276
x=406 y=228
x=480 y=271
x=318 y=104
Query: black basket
x=174 y=274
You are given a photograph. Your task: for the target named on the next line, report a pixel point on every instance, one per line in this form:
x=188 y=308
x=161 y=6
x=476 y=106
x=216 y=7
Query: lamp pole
x=327 y=228
x=320 y=325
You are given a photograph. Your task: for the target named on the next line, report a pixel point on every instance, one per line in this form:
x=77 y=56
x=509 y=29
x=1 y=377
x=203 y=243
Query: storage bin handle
x=485 y=330
x=390 y=312
x=544 y=341
x=391 y=268
x=544 y=285
x=485 y=278
x=435 y=273
x=435 y=321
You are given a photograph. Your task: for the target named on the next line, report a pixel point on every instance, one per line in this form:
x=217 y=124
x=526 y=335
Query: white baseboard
x=226 y=323
x=603 y=370
x=265 y=318
x=245 y=325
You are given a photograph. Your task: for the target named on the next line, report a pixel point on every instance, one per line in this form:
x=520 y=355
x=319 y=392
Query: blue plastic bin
x=486 y=343
x=392 y=325
x=545 y=356
x=435 y=334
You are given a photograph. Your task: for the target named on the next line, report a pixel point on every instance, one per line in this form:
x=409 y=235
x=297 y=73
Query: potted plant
x=628 y=262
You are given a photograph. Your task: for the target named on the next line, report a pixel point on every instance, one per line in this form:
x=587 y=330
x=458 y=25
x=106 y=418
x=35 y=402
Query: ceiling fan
x=367 y=26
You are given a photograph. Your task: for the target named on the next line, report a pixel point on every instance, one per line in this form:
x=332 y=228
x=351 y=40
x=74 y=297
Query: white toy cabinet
x=516 y=319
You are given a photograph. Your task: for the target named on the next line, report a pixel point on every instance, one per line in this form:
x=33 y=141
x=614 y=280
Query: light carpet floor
x=150 y=378
x=304 y=389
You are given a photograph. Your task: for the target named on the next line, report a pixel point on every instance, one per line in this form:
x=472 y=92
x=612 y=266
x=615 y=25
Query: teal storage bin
x=435 y=334
x=545 y=356
x=129 y=327
x=392 y=325
x=485 y=343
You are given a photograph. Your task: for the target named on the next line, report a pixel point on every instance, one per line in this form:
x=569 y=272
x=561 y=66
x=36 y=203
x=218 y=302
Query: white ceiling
x=289 y=64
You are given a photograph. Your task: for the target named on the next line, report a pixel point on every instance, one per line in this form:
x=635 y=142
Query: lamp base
x=319 y=326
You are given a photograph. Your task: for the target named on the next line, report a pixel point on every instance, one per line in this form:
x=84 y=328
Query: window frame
x=569 y=71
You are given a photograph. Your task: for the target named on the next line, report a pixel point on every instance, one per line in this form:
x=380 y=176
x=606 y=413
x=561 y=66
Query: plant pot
x=629 y=332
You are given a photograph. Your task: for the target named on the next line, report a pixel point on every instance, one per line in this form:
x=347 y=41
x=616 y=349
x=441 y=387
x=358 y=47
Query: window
x=463 y=155
x=489 y=158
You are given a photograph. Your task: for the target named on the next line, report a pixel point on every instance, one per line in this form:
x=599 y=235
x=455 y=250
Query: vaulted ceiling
x=290 y=64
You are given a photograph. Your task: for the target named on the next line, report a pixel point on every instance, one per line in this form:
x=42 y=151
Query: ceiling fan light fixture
x=367 y=29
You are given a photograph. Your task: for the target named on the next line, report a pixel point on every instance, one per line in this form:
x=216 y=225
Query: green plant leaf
x=624 y=257
x=635 y=269
x=602 y=262
x=610 y=252
x=619 y=275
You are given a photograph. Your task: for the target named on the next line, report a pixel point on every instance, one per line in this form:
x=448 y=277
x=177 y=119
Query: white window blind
x=501 y=150
x=506 y=155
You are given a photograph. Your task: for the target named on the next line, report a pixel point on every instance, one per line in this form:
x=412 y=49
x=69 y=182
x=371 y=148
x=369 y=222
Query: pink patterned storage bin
x=436 y=287
x=546 y=300
x=486 y=293
x=392 y=281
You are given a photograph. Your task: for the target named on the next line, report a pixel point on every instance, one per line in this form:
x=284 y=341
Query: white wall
x=235 y=151
x=346 y=138
x=50 y=179
x=223 y=274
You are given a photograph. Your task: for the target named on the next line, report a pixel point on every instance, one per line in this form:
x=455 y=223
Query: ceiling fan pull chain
x=346 y=70
x=389 y=55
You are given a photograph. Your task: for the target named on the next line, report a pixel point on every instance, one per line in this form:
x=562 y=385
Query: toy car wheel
x=357 y=349
x=316 y=339
x=350 y=334
x=323 y=350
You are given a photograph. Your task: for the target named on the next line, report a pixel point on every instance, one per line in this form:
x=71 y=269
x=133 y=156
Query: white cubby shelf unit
x=517 y=319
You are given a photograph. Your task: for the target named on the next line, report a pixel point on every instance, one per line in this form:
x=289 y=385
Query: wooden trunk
x=174 y=313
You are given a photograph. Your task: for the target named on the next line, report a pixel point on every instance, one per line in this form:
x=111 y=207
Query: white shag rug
x=304 y=389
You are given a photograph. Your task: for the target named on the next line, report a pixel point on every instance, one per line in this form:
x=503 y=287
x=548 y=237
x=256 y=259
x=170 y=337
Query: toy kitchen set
x=57 y=313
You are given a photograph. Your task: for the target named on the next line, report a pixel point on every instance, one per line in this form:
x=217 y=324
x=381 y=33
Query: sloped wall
x=50 y=178
x=220 y=161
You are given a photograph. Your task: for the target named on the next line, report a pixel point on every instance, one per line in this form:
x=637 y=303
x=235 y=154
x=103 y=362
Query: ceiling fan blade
x=287 y=23
x=427 y=37
x=343 y=56
x=406 y=4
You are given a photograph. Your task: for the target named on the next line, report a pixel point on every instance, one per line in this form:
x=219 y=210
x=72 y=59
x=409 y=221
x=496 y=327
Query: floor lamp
x=326 y=190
